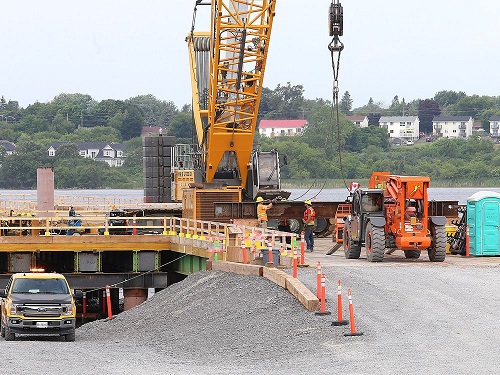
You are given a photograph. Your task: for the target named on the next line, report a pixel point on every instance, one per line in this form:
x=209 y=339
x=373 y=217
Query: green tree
x=67 y=151
x=345 y=104
x=132 y=123
x=284 y=102
x=19 y=170
x=182 y=126
x=31 y=124
x=97 y=134
x=3 y=152
x=154 y=112
x=133 y=161
x=446 y=98
x=61 y=124
x=427 y=109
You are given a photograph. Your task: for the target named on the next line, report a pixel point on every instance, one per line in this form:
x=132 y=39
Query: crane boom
x=227 y=71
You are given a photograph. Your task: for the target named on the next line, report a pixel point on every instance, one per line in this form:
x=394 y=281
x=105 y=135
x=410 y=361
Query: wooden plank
x=303 y=295
x=275 y=275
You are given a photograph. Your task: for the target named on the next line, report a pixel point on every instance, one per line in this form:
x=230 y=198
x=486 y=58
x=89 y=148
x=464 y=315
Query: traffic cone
x=351 y=317
x=340 y=321
x=318 y=280
x=323 y=300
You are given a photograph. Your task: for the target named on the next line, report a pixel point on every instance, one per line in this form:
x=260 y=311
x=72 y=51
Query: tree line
x=328 y=149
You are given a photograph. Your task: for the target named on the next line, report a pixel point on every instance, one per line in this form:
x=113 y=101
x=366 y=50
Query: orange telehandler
x=393 y=213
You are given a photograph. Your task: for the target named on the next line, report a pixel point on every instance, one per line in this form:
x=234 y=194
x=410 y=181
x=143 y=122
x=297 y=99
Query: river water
x=321 y=195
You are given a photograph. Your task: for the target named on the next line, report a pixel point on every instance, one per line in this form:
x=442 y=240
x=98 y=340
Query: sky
x=121 y=49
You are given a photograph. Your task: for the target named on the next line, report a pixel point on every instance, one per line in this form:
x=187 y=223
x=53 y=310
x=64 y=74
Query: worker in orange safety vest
x=262 y=212
x=309 y=220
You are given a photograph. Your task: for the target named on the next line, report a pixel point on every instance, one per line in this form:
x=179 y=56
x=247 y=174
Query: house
x=109 y=152
x=404 y=127
x=494 y=123
x=148 y=131
x=275 y=128
x=359 y=121
x=9 y=146
x=452 y=126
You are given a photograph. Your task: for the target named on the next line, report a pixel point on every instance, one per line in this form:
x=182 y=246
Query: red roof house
x=275 y=128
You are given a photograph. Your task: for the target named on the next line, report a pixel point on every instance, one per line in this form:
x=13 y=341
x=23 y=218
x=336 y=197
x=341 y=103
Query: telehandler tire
x=351 y=250
x=375 y=243
x=437 y=251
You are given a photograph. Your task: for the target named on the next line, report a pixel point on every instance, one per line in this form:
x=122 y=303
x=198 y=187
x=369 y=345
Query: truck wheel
x=70 y=337
x=9 y=335
x=2 y=330
x=437 y=251
x=375 y=243
x=412 y=254
x=351 y=250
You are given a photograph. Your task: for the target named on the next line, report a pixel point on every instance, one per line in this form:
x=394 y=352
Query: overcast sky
x=120 y=49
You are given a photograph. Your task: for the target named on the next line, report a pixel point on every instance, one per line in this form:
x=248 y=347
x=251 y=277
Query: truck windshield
x=51 y=286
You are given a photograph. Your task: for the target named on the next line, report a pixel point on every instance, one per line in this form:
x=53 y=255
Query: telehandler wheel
x=412 y=254
x=437 y=251
x=351 y=250
x=375 y=243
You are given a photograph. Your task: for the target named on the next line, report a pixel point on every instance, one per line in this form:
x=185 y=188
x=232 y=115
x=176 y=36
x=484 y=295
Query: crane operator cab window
x=372 y=202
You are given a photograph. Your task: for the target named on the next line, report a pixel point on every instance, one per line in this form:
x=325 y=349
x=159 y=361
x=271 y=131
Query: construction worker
x=262 y=212
x=309 y=220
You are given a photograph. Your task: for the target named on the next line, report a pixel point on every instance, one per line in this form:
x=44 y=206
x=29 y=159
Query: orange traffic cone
x=351 y=317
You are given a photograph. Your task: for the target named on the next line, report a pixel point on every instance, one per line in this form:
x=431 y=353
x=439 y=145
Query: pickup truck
x=37 y=303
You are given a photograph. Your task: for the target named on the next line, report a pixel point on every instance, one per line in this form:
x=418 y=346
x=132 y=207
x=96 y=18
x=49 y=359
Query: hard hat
x=259 y=199
x=308 y=202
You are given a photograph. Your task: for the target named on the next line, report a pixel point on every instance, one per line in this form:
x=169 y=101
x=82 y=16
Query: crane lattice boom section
x=239 y=42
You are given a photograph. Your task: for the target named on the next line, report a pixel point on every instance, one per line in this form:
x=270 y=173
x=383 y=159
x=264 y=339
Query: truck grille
x=41 y=310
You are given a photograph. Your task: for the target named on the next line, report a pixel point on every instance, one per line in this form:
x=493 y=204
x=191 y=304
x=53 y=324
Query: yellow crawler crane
x=227 y=71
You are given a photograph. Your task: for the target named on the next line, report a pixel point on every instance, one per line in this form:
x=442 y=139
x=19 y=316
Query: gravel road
x=417 y=318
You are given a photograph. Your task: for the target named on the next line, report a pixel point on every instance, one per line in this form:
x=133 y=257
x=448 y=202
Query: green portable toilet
x=483 y=220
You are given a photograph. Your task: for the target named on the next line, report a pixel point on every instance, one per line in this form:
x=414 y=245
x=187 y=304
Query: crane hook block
x=336 y=19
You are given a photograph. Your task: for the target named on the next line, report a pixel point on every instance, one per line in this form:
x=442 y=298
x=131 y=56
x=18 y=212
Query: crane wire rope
x=336 y=47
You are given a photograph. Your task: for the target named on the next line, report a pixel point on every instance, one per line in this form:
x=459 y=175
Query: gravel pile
x=215 y=315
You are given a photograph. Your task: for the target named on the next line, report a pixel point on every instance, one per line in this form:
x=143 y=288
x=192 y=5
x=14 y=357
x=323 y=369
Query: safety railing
x=98 y=223
x=25 y=203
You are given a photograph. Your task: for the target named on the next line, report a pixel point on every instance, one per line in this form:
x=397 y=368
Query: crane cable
x=336 y=28
x=336 y=25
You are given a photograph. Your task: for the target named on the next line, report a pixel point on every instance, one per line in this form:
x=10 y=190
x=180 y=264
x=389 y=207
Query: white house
x=404 y=127
x=494 y=124
x=452 y=126
x=276 y=128
x=359 y=121
x=111 y=153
